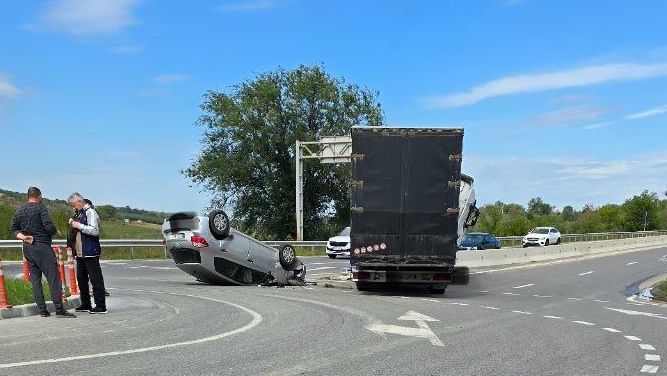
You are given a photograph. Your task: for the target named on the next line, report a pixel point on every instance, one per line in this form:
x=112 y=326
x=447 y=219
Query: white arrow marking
x=423 y=331
x=640 y=313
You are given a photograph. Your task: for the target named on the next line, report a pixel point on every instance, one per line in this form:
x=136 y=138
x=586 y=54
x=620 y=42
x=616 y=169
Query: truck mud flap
x=460 y=275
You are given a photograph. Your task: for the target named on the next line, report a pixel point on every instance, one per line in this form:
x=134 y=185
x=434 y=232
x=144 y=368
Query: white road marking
x=583 y=322
x=632 y=263
x=633 y=338
x=461 y=304
x=523 y=312
x=612 y=330
x=652 y=357
x=484 y=291
x=573 y=298
x=637 y=313
x=586 y=273
x=522 y=286
x=553 y=317
x=601 y=301
x=511 y=293
x=322 y=268
x=649 y=369
x=646 y=346
x=256 y=320
x=318 y=263
x=543 y=296
x=430 y=300
x=423 y=331
x=491 y=307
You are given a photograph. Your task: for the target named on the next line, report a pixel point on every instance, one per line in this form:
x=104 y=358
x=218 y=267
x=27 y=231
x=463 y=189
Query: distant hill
x=143 y=224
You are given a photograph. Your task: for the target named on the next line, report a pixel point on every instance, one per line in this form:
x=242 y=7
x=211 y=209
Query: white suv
x=339 y=245
x=541 y=236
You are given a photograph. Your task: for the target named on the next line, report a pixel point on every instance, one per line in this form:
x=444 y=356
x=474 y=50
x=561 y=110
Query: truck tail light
x=198 y=241
x=357 y=276
x=442 y=277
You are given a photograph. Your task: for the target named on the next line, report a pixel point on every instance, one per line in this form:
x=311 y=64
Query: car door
x=553 y=236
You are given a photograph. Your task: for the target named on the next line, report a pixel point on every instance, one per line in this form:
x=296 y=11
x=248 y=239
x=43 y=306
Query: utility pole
x=645 y=219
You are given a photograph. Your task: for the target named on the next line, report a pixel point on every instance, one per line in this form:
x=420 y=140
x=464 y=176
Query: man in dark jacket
x=32 y=224
x=88 y=250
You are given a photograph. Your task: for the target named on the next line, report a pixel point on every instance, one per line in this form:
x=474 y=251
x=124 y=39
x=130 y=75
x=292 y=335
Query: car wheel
x=546 y=242
x=218 y=223
x=525 y=245
x=332 y=256
x=287 y=256
x=557 y=241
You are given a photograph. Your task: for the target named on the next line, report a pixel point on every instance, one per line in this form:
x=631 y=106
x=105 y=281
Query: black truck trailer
x=405 y=217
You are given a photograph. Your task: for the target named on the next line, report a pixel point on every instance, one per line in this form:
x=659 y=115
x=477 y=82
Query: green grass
x=20 y=292
x=660 y=291
x=119 y=230
x=310 y=251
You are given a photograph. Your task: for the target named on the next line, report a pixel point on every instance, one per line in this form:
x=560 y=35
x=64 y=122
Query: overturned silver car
x=207 y=248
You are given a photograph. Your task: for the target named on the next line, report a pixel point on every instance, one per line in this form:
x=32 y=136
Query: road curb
x=31 y=309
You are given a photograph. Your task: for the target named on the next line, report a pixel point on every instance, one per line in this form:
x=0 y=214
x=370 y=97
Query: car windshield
x=473 y=238
x=540 y=231
x=345 y=232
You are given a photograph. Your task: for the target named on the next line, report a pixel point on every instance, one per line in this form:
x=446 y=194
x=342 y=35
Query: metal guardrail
x=505 y=240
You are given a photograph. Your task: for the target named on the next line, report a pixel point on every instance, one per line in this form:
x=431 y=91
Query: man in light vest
x=88 y=250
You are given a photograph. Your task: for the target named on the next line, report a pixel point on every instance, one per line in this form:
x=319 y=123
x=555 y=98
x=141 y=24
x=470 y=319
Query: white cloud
x=528 y=83
x=570 y=115
x=566 y=181
x=597 y=125
x=246 y=6
x=83 y=17
x=7 y=88
x=125 y=49
x=652 y=112
x=170 y=78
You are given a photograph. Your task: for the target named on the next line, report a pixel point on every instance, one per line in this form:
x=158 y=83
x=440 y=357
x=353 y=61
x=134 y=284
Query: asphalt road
x=564 y=318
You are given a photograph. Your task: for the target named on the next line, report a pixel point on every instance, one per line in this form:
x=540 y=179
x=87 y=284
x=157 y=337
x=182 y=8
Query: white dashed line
x=612 y=330
x=649 y=369
x=652 y=357
x=586 y=273
x=461 y=304
x=645 y=346
x=511 y=293
x=601 y=301
x=573 y=298
x=483 y=291
x=633 y=338
x=553 y=317
x=543 y=296
x=491 y=307
x=523 y=312
x=632 y=263
x=583 y=322
x=522 y=286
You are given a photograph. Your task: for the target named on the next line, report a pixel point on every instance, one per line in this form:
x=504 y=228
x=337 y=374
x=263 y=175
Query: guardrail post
x=61 y=270
x=4 y=301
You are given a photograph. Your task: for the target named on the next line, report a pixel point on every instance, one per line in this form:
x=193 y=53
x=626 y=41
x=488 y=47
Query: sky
x=566 y=100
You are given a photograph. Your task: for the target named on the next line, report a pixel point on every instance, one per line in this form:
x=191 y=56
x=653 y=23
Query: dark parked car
x=479 y=240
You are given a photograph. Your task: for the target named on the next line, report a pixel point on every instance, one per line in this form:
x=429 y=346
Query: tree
x=641 y=209
x=6 y=216
x=107 y=211
x=569 y=214
x=247 y=158
x=536 y=206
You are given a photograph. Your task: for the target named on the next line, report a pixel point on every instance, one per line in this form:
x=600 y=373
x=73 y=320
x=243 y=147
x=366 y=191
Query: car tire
x=546 y=243
x=332 y=256
x=557 y=241
x=218 y=223
x=525 y=245
x=287 y=256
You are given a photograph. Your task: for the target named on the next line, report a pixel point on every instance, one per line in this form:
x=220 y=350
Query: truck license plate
x=417 y=277
x=379 y=277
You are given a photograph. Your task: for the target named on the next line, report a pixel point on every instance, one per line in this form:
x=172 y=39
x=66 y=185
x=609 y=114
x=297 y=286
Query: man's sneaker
x=45 y=314
x=99 y=310
x=65 y=315
x=83 y=308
